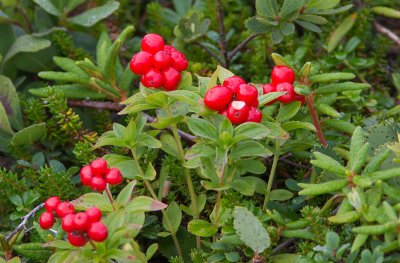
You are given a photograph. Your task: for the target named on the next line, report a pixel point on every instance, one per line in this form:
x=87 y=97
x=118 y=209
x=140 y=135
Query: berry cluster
x=96 y=175
x=282 y=80
x=235 y=99
x=158 y=64
x=79 y=226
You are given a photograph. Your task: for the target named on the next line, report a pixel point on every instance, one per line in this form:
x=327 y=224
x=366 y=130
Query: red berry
x=113 y=176
x=254 y=115
x=301 y=98
x=152 y=43
x=86 y=175
x=67 y=223
x=77 y=239
x=289 y=96
x=238 y=112
x=143 y=80
x=161 y=60
x=94 y=214
x=233 y=82
x=141 y=62
x=282 y=74
x=247 y=93
x=171 y=79
x=81 y=221
x=98 y=184
x=97 y=232
x=224 y=112
x=169 y=49
x=153 y=78
x=179 y=61
x=64 y=209
x=46 y=220
x=51 y=203
x=99 y=167
x=267 y=88
x=218 y=97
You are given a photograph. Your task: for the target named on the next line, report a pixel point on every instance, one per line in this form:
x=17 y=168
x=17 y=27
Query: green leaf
x=341 y=31
x=4 y=122
x=323 y=4
x=151 y=250
x=223 y=74
x=169 y=145
x=308 y=26
x=174 y=214
x=324 y=188
x=73 y=91
x=252 y=130
x=202 y=228
x=250 y=229
x=144 y=204
x=263 y=99
x=357 y=151
x=325 y=77
x=328 y=110
x=281 y=61
x=314 y=19
x=245 y=187
x=287 y=111
x=290 y=6
x=328 y=163
x=92 y=199
x=254 y=25
x=340 y=87
x=248 y=148
x=126 y=193
x=125 y=164
x=149 y=141
x=184 y=95
x=280 y=195
x=202 y=128
x=386 y=11
x=291 y=125
x=48 y=6
x=29 y=134
x=93 y=15
x=287 y=28
x=276 y=36
x=340 y=125
x=130 y=133
x=268 y=8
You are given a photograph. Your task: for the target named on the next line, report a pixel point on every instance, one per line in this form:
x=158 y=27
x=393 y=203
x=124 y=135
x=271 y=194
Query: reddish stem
x=110 y=197
x=313 y=113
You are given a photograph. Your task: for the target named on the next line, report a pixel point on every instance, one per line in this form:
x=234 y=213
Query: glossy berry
x=141 y=62
x=282 y=74
x=267 y=88
x=99 y=167
x=51 y=203
x=179 y=61
x=77 y=239
x=67 y=223
x=64 y=209
x=233 y=82
x=98 y=184
x=81 y=221
x=94 y=214
x=153 y=78
x=169 y=49
x=171 y=78
x=97 y=232
x=237 y=112
x=86 y=175
x=161 y=60
x=247 y=93
x=46 y=220
x=254 y=115
x=224 y=112
x=143 y=81
x=113 y=176
x=289 y=96
x=301 y=98
x=152 y=43
x=218 y=97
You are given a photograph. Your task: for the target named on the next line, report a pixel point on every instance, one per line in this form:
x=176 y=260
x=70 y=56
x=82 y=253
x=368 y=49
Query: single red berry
x=218 y=97
x=86 y=175
x=267 y=88
x=99 y=167
x=67 y=223
x=255 y=104
x=289 y=96
x=64 y=209
x=169 y=49
x=98 y=184
x=179 y=61
x=143 y=80
x=171 y=79
x=282 y=74
x=237 y=112
x=233 y=82
x=46 y=220
x=153 y=78
x=77 y=239
x=97 y=232
x=161 y=60
x=152 y=43
x=247 y=93
x=113 y=176
x=141 y=62
x=254 y=115
x=94 y=214
x=301 y=98
x=224 y=112
x=81 y=221
x=51 y=203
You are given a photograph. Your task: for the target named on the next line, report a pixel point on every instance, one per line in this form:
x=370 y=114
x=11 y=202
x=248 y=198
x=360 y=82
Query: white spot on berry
x=238 y=105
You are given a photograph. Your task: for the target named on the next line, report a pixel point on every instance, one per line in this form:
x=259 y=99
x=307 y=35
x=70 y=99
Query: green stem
x=139 y=253
x=153 y=194
x=272 y=173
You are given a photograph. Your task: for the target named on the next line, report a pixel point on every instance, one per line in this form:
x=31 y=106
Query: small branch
x=209 y=52
x=25 y=16
x=314 y=116
x=223 y=37
x=282 y=246
x=387 y=32
x=24 y=221
x=241 y=45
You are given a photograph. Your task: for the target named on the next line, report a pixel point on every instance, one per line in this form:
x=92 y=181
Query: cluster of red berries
x=158 y=64
x=79 y=226
x=235 y=99
x=282 y=80
x=96 y=175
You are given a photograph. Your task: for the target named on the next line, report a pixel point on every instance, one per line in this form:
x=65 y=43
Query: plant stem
x=314 y=116
x=92 y=244
x=153 y=194
x=241 y=45
x=110 y=196
x=272 y=173
x=217 y=203
x=138 y=253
